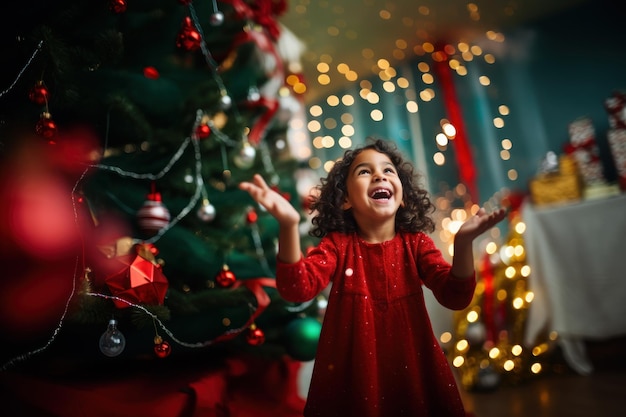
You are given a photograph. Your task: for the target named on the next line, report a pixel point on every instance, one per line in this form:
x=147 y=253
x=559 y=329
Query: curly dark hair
x=412 y=216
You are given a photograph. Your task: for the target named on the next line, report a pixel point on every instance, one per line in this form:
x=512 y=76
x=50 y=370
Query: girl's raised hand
x=273 y=202
x=479 y=223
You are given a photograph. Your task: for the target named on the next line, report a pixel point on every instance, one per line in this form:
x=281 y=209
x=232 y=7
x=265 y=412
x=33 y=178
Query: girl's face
x=374 y=190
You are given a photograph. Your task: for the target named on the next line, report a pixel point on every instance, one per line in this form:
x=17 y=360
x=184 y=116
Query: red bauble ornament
x=151 y=73
x=185 y=2
x=203 y=131
x=161 y=347
x=284 y=194
x=255 y=336
x=225 y=278
x=139 y=279
x=153 y=215
x=188 y=38
x=46 y=127
x=117 y=6
x=252 y=216
x=39 y=94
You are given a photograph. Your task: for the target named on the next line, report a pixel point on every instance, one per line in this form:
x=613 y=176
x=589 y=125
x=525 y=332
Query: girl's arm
x=463 y=260
x=288 y=218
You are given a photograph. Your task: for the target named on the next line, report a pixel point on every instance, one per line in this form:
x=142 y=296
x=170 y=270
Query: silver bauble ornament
x=206 y=212
x=246 y=156
x=216 y=18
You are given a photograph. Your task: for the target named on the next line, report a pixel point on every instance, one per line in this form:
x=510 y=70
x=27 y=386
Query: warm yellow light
x=536 y=368
x=314 y=126
x=441 y=139
x=411 y=106
x=494 y=352
x=445 y=337
x=316 y=111
x=458 y=361
x=509 y=365
x=516 y=350
x=345 y=142
x=382 y=64
x=372 y=97
x=402 y=82
x=389 y=87
x=347 y=100
x=510 y=272
x=323 y=67
x=461 y=345
x=472 y=316
x=449 y=130
x=332 y=100
x=347 y=130
x=328 y=142
x=323 y=79
x=342 y=68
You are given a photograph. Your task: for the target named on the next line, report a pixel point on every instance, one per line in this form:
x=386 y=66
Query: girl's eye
x=363 y=171
x=390 y=170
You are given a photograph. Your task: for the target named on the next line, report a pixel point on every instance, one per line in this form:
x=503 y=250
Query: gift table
x=577 y=255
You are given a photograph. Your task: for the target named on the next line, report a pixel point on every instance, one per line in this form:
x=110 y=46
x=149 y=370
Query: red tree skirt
x=242 y=387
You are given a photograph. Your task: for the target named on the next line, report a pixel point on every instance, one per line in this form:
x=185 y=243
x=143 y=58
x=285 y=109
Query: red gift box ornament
x=139 y=280
x=153 y=215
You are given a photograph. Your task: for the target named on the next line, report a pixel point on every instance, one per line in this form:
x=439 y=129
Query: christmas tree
x=126 y=127
x=488 y=345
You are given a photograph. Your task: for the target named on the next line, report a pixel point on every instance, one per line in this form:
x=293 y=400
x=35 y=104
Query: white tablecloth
x=577 y=255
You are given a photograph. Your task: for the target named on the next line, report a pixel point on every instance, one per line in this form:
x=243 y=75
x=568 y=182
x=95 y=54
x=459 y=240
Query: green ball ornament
x=301 y=338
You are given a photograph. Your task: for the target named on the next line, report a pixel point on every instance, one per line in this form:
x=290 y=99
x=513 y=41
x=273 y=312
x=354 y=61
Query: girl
x=377 y=355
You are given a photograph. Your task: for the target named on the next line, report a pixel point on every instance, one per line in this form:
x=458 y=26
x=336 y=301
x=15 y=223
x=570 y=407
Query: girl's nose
x=379 y=176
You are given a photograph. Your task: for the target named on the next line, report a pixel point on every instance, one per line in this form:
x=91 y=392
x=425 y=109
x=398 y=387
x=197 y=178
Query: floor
x=602 y=393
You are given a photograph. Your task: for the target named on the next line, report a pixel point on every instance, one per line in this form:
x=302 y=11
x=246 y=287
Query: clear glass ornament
x=112 y=342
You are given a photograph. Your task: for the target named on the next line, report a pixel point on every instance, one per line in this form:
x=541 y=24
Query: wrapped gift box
x=584 y=150
x=558 y=187
x=617 y=144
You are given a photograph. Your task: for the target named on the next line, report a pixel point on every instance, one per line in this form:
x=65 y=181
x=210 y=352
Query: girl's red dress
x=377 y=355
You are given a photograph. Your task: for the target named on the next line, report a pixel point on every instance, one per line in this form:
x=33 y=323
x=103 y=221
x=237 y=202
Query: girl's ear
x=346 y=204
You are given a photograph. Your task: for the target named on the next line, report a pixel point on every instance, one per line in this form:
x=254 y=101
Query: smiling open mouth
x=381 y=193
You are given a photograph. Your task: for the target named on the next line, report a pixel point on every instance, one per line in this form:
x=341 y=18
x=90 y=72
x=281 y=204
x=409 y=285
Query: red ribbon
x=257 y=131
x=464 y=158
x=268 y=105
x=262 y=12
